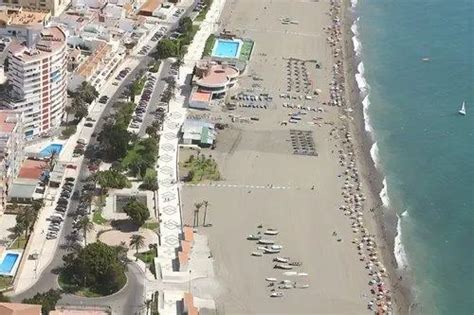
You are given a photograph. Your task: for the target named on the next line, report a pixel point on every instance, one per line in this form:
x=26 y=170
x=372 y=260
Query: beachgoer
x=334 y=233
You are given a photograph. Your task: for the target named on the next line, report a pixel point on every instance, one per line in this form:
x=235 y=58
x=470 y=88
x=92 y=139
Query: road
x=130 y=300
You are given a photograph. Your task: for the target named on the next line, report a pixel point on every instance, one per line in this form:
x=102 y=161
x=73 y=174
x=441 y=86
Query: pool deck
x=35 y=149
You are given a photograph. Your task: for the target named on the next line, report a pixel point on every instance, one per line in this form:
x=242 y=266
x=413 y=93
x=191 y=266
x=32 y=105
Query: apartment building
x=11 y=150
x=55 y=6
x=38 y=78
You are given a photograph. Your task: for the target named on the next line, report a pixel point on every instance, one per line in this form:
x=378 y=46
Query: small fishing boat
x=302 y=274
x=290 y=273
x=302 y=286
x=276 y=247
x=281 y=259
x=285 y=282
x=257 y=254
x=296 y=263
x=283 y=266
x=271 y=232
x=270 y=279
x=462 y=111
x=266 y=242
x=426 y=59
x=253 y=237
x=271 y=251
x=276 y=294
x=286 y=286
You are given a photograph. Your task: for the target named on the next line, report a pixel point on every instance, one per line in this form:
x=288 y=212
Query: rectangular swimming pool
x=226 y=48
x=9 y=263
x=53 y=147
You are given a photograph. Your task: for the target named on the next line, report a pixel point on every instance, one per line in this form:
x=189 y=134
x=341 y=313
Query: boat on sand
x=271 y=232
x=276 y=294
x=283 y=266
x=266 y=241
x=270 y=279
x=281 y=259
x=257 y=254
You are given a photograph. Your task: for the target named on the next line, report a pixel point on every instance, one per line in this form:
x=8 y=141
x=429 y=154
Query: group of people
x=380 y=301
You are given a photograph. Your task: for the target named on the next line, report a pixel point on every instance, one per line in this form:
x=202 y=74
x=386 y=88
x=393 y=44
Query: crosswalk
x=218 y=185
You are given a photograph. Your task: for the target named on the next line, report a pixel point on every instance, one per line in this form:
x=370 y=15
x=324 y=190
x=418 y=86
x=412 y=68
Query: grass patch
x=19 y=243
x=151 y=225
x=246 y=50
x=201 y=168
x=147 y=257
x=210 y=41
x=5 y=282
x=68 y=131
x=97 y=217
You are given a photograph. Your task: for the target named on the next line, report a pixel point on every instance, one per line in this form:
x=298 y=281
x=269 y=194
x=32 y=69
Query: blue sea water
x=424 y=148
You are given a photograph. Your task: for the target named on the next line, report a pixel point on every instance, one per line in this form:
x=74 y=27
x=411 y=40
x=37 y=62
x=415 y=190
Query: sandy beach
x=319 y=204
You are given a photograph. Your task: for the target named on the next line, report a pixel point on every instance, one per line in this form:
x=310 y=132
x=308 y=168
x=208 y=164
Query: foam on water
x=384 y=193
x=354 y=3
x=374 y=153
x=398 y=249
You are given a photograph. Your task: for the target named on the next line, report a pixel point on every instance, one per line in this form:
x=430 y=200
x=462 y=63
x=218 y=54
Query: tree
x=137 y=211
x=69 y=110
x=205 y=204
x=25 y=221
x=86 y=226
x=79 y=108
x=112 y=179
x=96 y=267
x=87 y=92
x=114 y=140
x=152 y=131
x=185 y=25
x=47 y=300
x=150 y=181
x=197 y=207
x=166 y=48
x=137 y=241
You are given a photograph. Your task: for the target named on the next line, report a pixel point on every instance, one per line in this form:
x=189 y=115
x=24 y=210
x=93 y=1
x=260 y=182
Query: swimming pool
x=226 y=48
x=53 y=147
x=9 y=263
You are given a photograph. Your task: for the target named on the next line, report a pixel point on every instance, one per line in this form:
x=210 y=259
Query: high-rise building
x=37 y=77
x=11 y=150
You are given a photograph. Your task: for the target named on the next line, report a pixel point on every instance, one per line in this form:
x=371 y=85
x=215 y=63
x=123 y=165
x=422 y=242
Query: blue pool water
x=53 y=147
x=8 y=263
x=226 y=49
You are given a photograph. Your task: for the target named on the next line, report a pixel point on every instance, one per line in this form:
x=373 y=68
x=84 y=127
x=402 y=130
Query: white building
x=11 y=150
x=37 y=77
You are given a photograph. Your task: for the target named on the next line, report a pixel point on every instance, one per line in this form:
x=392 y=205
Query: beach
x=321 y=205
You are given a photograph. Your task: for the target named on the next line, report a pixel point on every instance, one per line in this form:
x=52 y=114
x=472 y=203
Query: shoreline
x=385 y=218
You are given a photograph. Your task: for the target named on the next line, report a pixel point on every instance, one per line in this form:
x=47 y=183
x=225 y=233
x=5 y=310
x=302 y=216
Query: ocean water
x=423 y=147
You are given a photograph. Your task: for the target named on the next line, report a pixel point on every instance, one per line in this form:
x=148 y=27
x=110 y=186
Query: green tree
x=150 y=181
x=152 y=131
x=137 y=241
x=96 y=267
x=87 y=92
x=136 y=211
x=185 y=25
x=114 y=140
x=85 y=225
x=47 y=300
x=166 y=48
x=25 y=220
x=112 y=179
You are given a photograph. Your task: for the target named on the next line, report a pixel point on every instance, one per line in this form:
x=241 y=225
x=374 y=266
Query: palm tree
x=137 y=241
x=86 y=226
x=197 y=206
x=205 y=203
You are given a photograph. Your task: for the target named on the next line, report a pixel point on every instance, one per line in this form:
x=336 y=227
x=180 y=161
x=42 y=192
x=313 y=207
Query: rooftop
x=19 y=309
x=150 y=6
x=200 y=96
x=8 y=120
x=32 y=169
x=89 y=66
x=21 y=190
x=214 y=74
x=47 y=42
x=22 y=17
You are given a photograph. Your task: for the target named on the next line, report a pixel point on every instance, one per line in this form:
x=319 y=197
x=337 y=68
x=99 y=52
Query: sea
x=416 y=67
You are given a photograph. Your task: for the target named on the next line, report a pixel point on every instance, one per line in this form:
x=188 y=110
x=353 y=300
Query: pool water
x=53 y=147
x=226 y=49
x=8 y=263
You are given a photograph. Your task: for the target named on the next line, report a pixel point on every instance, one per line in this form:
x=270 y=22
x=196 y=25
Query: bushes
x=209 y=45
x=201 y=168
x=112 y=179
x=68 y=131
x=155 y=66
x=137 y=211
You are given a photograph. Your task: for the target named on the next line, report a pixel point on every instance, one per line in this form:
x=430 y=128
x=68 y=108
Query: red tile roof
x=32 y=169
